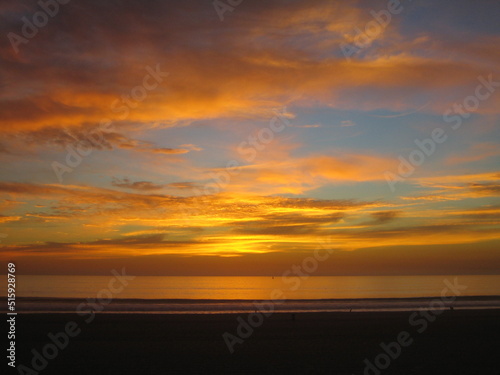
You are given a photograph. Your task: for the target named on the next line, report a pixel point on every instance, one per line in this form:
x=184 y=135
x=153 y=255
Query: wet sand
x=457 y=342
x=193 y=306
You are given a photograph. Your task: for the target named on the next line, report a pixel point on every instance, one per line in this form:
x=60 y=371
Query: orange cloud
x=209 y=83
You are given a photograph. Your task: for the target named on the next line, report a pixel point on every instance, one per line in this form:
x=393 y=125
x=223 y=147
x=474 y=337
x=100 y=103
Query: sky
x=204 y=138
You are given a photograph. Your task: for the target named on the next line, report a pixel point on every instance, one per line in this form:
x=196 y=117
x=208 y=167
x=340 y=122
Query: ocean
x=214 y=294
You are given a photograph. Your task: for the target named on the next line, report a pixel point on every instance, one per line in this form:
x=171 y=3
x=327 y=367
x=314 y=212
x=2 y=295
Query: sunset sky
x=174 y=138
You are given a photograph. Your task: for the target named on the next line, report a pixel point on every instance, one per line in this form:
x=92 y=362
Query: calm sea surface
x=253 y=288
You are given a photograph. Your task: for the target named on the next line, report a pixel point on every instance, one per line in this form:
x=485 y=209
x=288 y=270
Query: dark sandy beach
x=457 y=342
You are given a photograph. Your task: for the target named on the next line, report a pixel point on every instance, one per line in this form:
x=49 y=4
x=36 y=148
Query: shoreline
x=207 y=300
x=39 y=305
